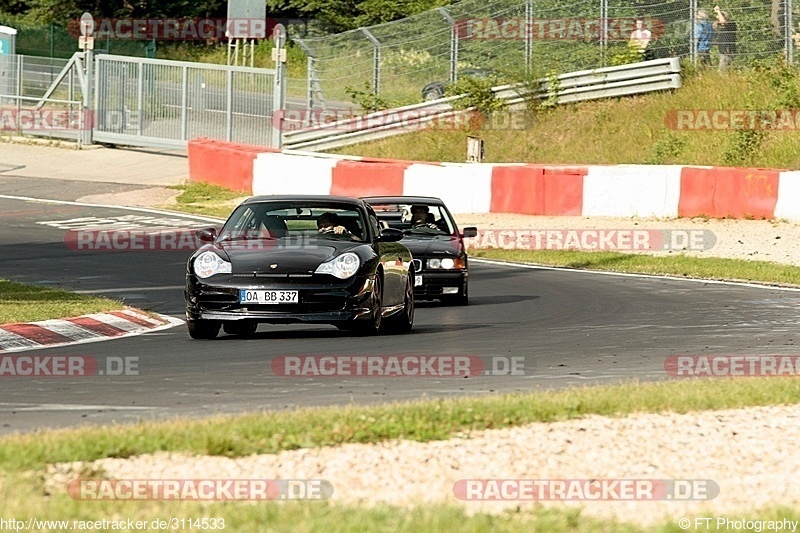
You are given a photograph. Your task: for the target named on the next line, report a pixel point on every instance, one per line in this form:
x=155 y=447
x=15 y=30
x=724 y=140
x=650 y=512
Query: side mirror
x=470 y=232
x=390 y=235
x=206 y=234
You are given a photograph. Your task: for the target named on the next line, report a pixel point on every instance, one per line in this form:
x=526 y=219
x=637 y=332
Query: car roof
x=403 y=200
x=312 y=198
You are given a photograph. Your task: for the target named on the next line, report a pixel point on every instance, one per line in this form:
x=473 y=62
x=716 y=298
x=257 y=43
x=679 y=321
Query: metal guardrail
x=608 y=82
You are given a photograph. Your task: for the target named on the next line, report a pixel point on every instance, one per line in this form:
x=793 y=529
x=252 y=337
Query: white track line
x=496 y=262
x=139 y=209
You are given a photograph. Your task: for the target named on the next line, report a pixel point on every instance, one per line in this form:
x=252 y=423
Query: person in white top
x=641 y=36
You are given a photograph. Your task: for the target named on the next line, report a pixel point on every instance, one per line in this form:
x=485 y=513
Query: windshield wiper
x=254 y=237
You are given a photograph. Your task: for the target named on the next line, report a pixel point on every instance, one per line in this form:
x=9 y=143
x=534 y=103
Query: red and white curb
x=83 y=329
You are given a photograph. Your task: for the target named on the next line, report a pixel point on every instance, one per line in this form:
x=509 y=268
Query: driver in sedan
x=421 y=217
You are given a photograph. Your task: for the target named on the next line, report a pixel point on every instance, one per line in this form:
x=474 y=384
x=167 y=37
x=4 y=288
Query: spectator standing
x=726 y=38
x=704 y=33
x=640 y=39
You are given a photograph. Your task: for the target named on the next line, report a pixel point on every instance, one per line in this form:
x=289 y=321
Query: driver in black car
x=422 y=218
x=329 y=223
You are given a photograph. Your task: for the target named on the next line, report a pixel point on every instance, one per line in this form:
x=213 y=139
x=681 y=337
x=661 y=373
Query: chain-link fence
x=537 y=38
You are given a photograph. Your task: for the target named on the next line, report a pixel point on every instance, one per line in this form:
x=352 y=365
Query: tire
x=432 y=94
x=459 y=299
x=374 y=325
x=243 y=328
x=203 y=329
x=404 y=321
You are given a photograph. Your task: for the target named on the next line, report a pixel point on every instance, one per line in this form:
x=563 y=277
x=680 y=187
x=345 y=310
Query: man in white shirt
x=641 y=36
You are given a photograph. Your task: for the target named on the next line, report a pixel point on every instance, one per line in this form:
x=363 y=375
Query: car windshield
x=293 y=220
x=419 y=219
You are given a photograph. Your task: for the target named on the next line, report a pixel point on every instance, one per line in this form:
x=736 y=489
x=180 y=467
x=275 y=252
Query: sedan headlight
x=447 y=263
x=208 y=263
x=343 y=266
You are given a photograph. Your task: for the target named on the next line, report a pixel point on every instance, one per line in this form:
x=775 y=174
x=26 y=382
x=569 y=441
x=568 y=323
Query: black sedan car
x=440 y=258
x=299 y=259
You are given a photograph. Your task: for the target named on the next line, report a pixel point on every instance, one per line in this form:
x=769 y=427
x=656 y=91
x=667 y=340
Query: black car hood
x=289 y=257
x=430 y=247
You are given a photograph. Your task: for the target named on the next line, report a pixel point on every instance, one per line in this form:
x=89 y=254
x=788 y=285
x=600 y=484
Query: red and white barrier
x=659 y=191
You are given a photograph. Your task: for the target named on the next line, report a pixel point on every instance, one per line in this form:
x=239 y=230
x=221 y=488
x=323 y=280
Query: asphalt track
x=572 y=328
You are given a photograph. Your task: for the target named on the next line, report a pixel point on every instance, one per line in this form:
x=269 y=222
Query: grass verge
x=630 y=130
x=206 y=199
x=678 y=265
x=423 y=421
x=28 y=303
x=23 y=458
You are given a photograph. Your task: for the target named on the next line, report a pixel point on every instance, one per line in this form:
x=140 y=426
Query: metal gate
x=164 y=104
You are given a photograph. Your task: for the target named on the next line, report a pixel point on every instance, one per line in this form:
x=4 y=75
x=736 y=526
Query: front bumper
x=321 y=299
x=434 y=282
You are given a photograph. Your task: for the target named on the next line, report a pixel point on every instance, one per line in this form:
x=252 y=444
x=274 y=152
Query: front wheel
x=374 y=324
x=404 y=321
x=203 y=329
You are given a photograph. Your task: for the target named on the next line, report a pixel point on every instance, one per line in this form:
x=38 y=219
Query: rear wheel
x=203 y=329
x=373 y=325
x=244 y=328
x=404 y=321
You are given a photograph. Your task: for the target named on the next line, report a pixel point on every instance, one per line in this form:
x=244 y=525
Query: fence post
x=789 y=22
x=528 y=36
x=184 y=101
x=139 y=103
x=18 y=88
x=453 y=44
x=376 y=61
x=229 y=105
x=310 y=75
x=693 y=31
x=279 y=89
x=88 y=96
x=604 y=31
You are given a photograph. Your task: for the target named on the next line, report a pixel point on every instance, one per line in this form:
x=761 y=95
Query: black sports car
x=440 y=259
x=288 y=259
x=436 y=89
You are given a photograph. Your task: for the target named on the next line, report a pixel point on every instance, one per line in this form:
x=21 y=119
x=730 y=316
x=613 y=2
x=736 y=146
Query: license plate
x=418 y=281
x=259 y=296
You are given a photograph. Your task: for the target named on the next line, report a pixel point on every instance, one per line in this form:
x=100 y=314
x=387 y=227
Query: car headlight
x=447 y=263
x=208 y=263
x=343 y=266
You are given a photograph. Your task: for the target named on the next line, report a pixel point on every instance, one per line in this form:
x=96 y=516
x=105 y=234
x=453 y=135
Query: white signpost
x=86 y=40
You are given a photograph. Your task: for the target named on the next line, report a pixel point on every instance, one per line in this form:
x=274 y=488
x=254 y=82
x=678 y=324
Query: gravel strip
x=761 y=240
x=750 y=453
